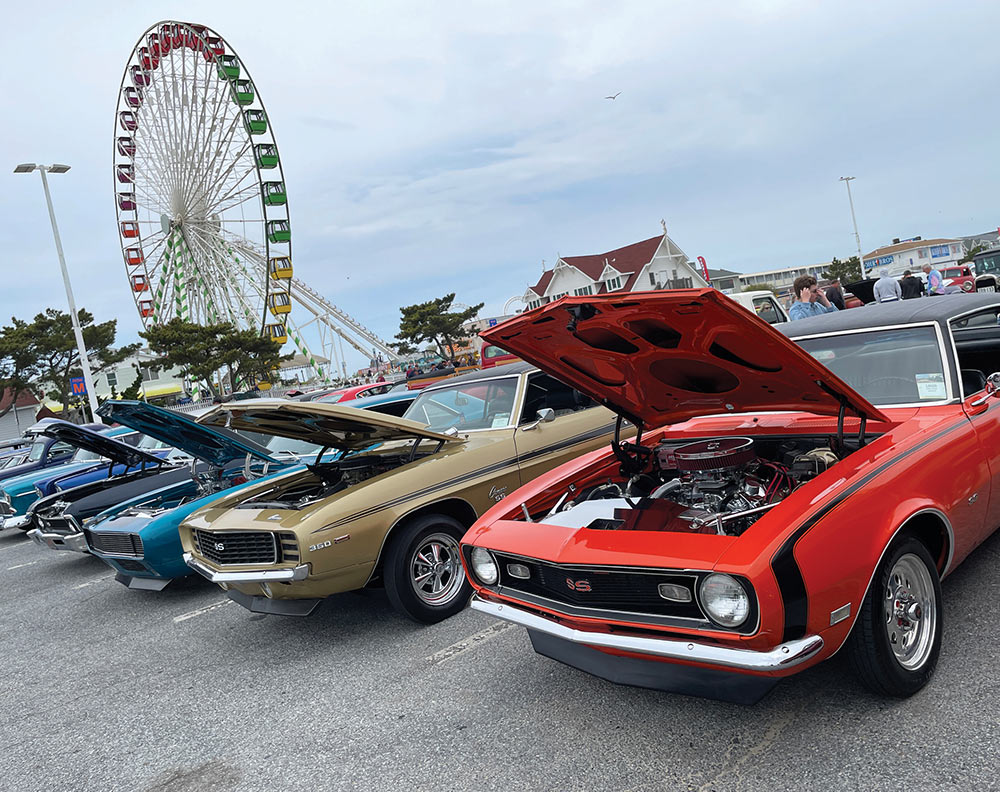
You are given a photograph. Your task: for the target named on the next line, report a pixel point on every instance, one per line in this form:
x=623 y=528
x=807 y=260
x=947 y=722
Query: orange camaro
x=793 y=490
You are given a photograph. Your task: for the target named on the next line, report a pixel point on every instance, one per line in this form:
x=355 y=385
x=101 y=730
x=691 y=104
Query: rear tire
x=896 y=640
x=424 y=577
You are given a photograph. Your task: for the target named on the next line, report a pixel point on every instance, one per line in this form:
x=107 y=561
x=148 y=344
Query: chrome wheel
x=436 y=569
x=910 y=607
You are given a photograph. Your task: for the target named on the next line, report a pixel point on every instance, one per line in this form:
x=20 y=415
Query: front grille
x=601 y=589
x=58 y=525
x=115 y=543
x=289 y=546
x=227 y=548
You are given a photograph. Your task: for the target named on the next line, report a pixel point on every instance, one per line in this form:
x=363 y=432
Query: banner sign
x=77 y=386
x=704 y=269
x=940 y=251
x=881 y=261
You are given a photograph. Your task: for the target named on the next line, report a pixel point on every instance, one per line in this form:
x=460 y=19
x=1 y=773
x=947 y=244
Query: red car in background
x=791 y=491
x=491 y=355
x=961 y=276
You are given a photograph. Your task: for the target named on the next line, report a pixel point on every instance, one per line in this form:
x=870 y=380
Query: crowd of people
x=811 y=300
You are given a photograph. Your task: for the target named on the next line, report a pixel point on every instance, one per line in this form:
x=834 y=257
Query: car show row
x=666 y=491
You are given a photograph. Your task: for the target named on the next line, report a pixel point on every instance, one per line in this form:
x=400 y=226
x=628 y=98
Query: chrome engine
x=716 y=486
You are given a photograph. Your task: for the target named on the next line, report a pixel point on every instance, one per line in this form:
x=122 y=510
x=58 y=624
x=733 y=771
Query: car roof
x=939 y=309
x=506 y=370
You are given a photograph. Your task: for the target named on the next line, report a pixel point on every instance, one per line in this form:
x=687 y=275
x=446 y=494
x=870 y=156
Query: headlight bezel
x=474 y=566
x=736 y=584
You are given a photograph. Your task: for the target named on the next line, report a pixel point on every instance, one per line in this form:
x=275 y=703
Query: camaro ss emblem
x=219 y=546
x=578 y=585
x=498 y=493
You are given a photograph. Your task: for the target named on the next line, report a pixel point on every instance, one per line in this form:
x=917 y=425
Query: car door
x=579 y=425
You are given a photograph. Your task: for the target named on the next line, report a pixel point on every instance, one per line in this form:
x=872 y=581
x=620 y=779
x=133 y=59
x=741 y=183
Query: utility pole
x=857 y=238
x=88 y=378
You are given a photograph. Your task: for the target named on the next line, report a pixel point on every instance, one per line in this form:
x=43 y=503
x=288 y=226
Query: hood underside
x=216 y=447
x=99 y=443
x=329 y=425
x=665 y=357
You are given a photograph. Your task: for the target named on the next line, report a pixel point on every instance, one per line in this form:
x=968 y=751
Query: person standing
x=809 y=300
x=887 y=289
x=910 y=286
x=835 y=294
x=935 y=283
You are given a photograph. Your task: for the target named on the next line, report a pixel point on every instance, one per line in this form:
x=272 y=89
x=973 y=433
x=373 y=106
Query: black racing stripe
x=473 y=474
x=786 y=571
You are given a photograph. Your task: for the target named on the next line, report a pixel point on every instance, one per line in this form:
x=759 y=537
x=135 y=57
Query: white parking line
x=92 y=582
x=18 y=566
x=200 y=611
x=471 y=642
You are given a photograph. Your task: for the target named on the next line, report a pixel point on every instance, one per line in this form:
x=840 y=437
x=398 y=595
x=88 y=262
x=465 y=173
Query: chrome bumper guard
x=6 y=510
x=76 y=542
x=15 y=521
x=787 y=655
x=301 y=572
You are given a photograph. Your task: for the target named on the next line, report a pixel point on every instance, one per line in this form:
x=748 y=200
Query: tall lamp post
x=857 y=238
x=88 y=378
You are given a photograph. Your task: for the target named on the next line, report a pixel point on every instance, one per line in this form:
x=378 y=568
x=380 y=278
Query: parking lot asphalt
x=111 y=689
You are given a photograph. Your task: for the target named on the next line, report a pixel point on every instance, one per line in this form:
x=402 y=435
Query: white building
x=655 y=263
x=912 y=254
x=155 y=385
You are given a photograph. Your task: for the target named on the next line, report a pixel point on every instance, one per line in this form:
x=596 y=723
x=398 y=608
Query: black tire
x=401 y=556
x=869 y=646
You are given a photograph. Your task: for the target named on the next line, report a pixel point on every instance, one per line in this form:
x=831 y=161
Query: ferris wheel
x=200 y=194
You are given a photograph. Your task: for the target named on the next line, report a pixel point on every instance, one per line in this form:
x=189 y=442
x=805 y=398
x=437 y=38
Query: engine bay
x=719 y=485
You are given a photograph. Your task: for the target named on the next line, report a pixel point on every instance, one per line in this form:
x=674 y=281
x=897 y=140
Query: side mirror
x=544 y=415
x=992 y=389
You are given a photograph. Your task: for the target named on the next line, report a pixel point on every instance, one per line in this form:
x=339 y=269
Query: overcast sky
x=436 y=147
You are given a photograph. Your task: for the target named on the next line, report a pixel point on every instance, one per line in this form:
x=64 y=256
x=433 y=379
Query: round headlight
x=724 y=600
x=484 y=566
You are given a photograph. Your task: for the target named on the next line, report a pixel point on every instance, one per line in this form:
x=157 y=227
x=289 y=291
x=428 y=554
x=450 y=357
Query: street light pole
x=857 y=238
x=88 y=378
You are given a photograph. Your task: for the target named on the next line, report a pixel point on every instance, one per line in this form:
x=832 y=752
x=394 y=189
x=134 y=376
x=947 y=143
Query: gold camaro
x=390 y=498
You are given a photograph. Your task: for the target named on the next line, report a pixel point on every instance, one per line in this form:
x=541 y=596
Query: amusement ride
x=201 y=201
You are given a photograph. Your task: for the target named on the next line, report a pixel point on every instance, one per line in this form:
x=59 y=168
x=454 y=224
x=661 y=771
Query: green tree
x=200 y=351
x=133 y=391
x=848 y=271
x=52 y=342
x=19 y=365
x=760 y=287
x=435 y=321
x=971 y=253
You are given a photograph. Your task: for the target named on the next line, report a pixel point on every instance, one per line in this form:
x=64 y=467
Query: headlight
x=724 y=600
x=484 y=567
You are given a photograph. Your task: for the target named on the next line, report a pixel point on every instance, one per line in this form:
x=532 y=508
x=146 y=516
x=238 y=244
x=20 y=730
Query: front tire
x=896 y=640
x=424 y=578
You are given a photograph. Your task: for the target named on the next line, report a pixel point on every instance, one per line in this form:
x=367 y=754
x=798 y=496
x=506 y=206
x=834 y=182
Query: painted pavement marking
x=18 y=566
x=200 y=611
x=471 y=642
x=93 y=581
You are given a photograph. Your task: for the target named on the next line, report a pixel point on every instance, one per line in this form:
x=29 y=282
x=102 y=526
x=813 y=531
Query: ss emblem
x=219 y=546
x=578 y=585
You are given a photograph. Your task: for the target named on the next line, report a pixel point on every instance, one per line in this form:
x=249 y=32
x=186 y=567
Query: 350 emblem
x=578 y=585
x=320 y=546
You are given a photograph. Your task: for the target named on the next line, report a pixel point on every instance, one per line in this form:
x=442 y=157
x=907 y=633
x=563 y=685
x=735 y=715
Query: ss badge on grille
x=578 y=585
x=219 y=546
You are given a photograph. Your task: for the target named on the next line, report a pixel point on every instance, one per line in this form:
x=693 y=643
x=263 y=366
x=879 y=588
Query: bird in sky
x=612 y=98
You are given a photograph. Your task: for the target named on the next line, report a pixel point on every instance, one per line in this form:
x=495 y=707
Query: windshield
x=887 y=367
x=988 y=264
x=482 y=404
x=83 y=455
x=37 y=449
x=276 y=445
x=147 y=443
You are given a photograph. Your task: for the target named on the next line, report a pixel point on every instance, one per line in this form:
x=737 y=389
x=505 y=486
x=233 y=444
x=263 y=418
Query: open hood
x=217 y=447
x=331 y=425
x=98 y=443
x=664 y=357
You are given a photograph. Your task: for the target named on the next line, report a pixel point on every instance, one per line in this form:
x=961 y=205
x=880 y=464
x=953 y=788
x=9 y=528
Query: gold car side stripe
x=484 y=471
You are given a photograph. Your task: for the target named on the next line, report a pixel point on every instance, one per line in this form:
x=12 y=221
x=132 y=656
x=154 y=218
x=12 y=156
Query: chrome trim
x=301 y=572
x=16 y=521
x=76 y=542
x=783 y=657
x=950 y=377
x=839 y=614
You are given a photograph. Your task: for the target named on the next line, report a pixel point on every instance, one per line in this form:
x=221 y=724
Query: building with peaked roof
x=654 y=263
x=912 y=254
x=18 y=417
x=726 y=281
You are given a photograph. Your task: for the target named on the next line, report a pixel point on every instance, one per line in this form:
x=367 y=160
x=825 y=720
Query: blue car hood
x=99 y=443
x=26 y=481
x=218 y=447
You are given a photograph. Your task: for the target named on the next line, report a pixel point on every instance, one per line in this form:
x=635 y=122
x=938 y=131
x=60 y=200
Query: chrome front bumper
x=301 y=572
x=787 y=655
x=14 y=521
x=76 y=542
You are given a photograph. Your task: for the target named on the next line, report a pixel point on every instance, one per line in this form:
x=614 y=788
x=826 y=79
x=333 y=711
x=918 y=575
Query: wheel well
x=932 y=529
x=456 y=508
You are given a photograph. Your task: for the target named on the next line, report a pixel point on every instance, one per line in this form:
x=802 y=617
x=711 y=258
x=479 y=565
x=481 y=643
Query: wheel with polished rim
x=896 y=640
x=424 y=577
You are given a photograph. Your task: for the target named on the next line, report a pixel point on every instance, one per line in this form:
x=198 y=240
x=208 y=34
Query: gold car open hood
x=328 y=425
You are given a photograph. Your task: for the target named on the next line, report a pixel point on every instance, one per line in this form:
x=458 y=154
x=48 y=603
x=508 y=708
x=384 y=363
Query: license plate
x=986 y=288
